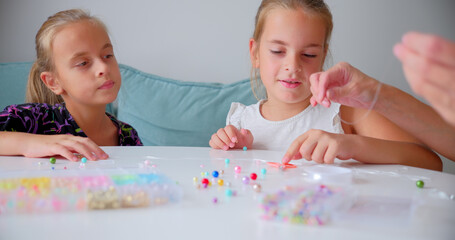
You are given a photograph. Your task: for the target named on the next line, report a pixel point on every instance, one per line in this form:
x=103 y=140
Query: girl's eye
x=81 y=64
x=309 y=55
x=276 y=51
x=109 y=56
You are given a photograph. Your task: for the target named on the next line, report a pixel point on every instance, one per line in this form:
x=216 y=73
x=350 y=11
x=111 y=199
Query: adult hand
x=429 y=66
x=231 y=137
x=343 y=84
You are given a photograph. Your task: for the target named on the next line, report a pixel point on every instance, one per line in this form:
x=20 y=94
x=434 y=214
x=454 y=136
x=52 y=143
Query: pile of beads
x=68 y=193
x=310 y=205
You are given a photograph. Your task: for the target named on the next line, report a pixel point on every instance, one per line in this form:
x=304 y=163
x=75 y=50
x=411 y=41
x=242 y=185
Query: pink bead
x=237 y=169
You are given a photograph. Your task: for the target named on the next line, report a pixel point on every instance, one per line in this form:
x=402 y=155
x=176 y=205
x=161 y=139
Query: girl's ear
x=254 y=53
x=50 y=80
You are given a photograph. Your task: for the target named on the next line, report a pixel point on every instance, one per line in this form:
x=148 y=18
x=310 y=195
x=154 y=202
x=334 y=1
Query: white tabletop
x=388 y=204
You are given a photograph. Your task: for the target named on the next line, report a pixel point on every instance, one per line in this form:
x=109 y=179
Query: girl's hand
x=429 y=66
x=321 y=147
x=343 y=84
x=65 y=145
x=230 y=137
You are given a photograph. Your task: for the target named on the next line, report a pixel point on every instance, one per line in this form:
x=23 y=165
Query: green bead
x=420 y=184
x=52 y=160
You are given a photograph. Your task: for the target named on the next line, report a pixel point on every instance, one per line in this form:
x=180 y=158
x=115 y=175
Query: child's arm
x=36 y=145
x=374 y=139
x=231 y=138
x=324 y=147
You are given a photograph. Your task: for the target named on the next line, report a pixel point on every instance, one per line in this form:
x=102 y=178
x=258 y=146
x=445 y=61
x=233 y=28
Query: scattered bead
x=53 y=168
x=221 y=172
x=420 y=184
x=202 y=166
x=257 y=187
x=246 y=180
x=194 y=179
x=202 y=174
x=82 y=165
x=215 y=174
x=205 y=181
x=228 y=192
x=227 y=160
x=253 y=176
x=147 y=162
x=263 y=171
x=83 y=160
x=64 y=168
x=215 y=200
x=228 y=184
x=52 y=160
x=237 y=169
x=207 y=174
x=220 y=182
x=245 y=148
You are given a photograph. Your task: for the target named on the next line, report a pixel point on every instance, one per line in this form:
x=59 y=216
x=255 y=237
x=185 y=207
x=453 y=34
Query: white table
x=430 y=210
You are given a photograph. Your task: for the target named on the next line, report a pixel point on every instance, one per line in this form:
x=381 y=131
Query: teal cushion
x=168 y=112
x=13 y=80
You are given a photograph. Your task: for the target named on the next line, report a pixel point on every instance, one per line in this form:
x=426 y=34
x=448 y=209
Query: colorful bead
x=215 y=200
x=83 y=160
x=205 y=181
x=221 y=172
x=228 y=192
x=227 y=160
x=420 y=184
x=64 y=168
x=257 y=187
x=246 y=180
x=52 y=160
x=53 y=168
x=253 y=176
x=147 y=162
x=220 y=182
x=237 y=169
x=245 y=148
x=194 y=179
x=215 y=174
x=263 y=171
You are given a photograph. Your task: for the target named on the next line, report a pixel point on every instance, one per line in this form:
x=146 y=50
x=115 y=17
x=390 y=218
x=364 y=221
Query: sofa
x=165 y=112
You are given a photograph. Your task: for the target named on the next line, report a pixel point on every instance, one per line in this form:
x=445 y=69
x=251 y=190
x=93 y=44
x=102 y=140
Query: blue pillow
x=168 y=112
x=13 y=81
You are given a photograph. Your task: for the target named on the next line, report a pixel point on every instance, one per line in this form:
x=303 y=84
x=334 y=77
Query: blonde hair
x=313 y=7
x=37 y=91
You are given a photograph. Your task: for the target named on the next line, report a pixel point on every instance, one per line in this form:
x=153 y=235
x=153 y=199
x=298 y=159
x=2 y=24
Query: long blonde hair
x=37 y=91
x=314 y=7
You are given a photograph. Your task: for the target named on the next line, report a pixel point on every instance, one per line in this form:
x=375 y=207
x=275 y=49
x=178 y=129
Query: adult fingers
x=319 y=152
x=431 y=46
x=426 y=68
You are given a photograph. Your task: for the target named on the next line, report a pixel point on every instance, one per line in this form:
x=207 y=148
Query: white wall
x=207 y=40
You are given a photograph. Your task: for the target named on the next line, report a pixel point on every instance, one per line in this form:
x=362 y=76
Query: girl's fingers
x=293 y=150
x=64 y=152
x=223 y=138
x=232 y=133
x=215 y=142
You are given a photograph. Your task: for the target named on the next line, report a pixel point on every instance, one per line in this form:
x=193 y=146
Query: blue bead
x=245 y=148
x=215 y=174
x=263 y=171
x=227 y=160
x=84 y=160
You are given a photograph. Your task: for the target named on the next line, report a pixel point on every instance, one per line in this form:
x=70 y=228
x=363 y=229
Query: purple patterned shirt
x=42 y=118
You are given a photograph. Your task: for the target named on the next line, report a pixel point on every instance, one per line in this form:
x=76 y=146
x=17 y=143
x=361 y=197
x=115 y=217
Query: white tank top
x=278 y=135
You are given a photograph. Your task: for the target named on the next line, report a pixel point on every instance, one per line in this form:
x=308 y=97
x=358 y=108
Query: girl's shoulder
x=128 y=136
x=239 y=112
x=25 y=108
